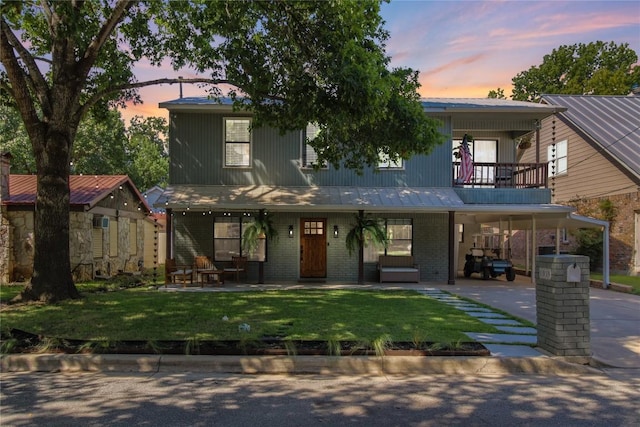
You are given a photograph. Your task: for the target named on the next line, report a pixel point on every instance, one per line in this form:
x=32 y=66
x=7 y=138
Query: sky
x=464 y=48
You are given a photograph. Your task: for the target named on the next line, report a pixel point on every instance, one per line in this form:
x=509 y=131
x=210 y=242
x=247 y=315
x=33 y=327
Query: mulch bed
x=26 y=342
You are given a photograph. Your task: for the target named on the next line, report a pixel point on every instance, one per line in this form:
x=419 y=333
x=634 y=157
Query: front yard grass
x=314 y=314
x=633 y=281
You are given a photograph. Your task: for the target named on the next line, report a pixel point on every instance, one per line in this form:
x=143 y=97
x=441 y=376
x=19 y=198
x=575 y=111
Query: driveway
x=615 y=316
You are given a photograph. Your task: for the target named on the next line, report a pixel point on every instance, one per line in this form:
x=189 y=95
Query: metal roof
x=86 y=190
x=611 y=122
x=328 y=199
x=475 y=105
x=430 y=105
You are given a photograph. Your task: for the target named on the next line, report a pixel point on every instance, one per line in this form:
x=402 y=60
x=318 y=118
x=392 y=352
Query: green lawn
x=633 y=281
x=143 y=314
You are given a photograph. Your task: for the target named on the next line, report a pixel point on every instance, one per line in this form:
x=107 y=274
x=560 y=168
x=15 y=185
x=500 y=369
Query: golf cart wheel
x=486 y=273
x=467 y=272
x=511 y=274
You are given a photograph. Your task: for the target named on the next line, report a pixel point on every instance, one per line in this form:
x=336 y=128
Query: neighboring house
x=107 y=232
x=223 y=171
x=593 y=152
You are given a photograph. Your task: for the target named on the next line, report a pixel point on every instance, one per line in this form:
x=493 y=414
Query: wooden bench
x=399 y=268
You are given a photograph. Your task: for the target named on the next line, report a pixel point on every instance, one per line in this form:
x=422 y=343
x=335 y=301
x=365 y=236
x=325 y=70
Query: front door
x=313 y=247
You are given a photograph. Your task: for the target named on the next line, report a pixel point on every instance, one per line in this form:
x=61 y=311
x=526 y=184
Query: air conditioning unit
x=100 y=222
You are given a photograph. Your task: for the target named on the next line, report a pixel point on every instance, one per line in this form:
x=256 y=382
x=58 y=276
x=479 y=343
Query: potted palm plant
x=366 y=228
x=258 y=230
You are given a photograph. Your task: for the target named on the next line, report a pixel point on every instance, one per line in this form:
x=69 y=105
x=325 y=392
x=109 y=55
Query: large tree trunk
x=52 y=280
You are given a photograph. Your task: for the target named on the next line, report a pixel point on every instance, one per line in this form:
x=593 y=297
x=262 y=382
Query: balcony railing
x=504 y=175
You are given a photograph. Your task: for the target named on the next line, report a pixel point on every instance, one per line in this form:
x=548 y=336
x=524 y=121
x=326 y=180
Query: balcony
x=504 y=175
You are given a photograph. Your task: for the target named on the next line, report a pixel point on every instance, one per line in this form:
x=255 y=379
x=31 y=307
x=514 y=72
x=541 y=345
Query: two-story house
x=223 y=171
x=593 y=152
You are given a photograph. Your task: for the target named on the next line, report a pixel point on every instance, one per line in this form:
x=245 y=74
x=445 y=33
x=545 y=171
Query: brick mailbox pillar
x=562 y=304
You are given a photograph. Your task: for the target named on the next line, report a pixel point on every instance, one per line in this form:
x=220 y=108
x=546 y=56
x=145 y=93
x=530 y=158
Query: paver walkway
x=517 y=339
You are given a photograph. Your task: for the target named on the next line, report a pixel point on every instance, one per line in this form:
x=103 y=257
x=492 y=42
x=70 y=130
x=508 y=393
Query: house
x=223 y=172
x=593 y=152
x=107 y=225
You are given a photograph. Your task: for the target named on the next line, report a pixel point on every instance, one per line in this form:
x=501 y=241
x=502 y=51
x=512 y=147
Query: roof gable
x=86 y=190
x=611 y=122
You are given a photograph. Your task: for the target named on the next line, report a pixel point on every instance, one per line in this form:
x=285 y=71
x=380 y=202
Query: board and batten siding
x=196 y=153
x=589 y=173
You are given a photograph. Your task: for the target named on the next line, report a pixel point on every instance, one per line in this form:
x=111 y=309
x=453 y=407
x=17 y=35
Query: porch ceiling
x=521 y=217
x=328 y=199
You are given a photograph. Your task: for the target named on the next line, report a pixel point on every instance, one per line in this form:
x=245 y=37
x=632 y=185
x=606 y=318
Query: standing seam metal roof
x=612 y=122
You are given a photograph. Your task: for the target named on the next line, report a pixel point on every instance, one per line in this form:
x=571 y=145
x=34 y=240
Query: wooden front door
x=313 y=247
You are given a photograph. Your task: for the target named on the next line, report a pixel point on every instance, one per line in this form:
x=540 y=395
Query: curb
x=292 y=365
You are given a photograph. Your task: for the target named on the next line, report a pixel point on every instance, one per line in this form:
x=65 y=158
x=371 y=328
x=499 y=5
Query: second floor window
x=309 y=155
x=237 y=142
x=386 y=163
x=557 y=158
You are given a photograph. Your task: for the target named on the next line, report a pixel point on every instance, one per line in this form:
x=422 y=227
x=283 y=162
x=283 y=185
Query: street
x=604 y=398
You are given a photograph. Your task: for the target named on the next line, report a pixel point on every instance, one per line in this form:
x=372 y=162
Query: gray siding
x=196 y=158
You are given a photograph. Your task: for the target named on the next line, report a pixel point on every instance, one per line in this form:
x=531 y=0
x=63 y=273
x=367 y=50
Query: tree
x=597 y=68
x=103 y=146
x=146 y=151
x=289 y=62
x=497 y=94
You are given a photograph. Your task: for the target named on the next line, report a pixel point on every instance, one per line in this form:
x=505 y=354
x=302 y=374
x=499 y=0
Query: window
x=227 y=240
x=386 y=163
x=96 y=236
x=237 y=142
x=482 y=151
x=133 y=237
x=400 y=235
x=557 y=158
x=113 y=238
x=309 y=155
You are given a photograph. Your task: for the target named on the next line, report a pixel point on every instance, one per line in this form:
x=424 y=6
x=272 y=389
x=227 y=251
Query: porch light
x=291 y=231
x=335 y=232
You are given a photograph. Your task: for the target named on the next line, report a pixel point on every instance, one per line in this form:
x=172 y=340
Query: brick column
x=562 y=307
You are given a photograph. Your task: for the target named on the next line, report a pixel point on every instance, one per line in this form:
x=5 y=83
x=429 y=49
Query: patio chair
x=204 y=269
x=175 y=273
x=239 y=265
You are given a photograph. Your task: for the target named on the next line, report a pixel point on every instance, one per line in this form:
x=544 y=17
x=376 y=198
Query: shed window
x=113 y=238
x=237 y=142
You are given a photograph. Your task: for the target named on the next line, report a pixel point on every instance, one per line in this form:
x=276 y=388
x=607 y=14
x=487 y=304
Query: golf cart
x=488 y=263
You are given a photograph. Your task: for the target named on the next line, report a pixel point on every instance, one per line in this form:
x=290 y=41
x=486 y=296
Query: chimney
x=5 y=165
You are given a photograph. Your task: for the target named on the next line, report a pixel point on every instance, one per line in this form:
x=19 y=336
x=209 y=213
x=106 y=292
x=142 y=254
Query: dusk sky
x=466 y=48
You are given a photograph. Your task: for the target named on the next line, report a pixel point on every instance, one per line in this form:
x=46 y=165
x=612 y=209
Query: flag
x=466 y=162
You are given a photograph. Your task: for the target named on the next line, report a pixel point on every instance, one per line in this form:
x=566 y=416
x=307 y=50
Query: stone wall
x=17 y=239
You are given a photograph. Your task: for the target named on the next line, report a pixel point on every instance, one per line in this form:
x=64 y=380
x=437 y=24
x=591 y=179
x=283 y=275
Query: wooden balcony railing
x=504 y=175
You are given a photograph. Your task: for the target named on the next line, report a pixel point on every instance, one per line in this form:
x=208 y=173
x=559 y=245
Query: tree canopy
x=288 y=62
x=104 y=145
x=596 y=68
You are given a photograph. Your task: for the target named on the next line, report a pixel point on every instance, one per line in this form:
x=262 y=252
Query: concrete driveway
x=615 y=316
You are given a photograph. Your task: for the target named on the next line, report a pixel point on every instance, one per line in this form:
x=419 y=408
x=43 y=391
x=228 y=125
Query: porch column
x=169 y=239
x=534 y=241
x=452 y=241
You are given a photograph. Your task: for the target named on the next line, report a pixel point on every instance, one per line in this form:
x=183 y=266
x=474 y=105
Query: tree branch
x=119 y=88
x=19 y=90
x=33 y=78
x=91 y=53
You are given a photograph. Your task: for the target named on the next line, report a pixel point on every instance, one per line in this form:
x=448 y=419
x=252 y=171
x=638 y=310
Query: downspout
x=605 y=256
x=452 y=240
x=169 y=238
x=534 y=239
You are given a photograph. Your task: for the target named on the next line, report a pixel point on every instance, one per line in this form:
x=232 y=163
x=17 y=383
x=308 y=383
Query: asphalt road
x=607 y=398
